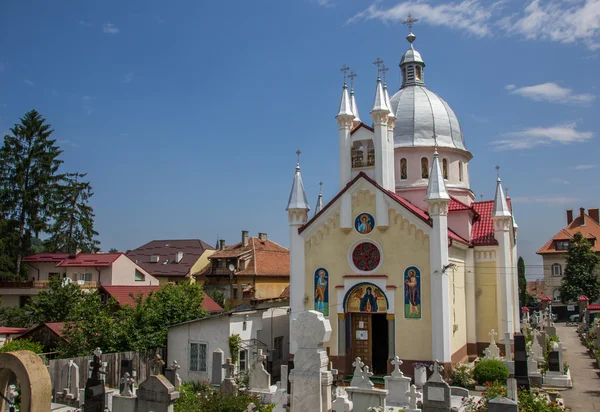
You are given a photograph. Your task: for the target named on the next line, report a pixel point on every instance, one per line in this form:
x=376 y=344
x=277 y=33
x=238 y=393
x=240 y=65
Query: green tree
x=29 y=166
x=22 y=344
x=113 y=250
x=580 y=277
x=217 y=295
x=73 y=217
x=58 y=303
x=524 y=296
x=8 y=240
x=15 y=317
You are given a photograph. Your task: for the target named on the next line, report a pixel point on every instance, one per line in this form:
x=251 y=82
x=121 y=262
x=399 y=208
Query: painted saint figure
x=321 y=299
x=412 y=286
x=364 y=223
x=368 y=303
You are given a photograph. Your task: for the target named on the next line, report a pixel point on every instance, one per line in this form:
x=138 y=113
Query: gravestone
x=556 y=375
x=229 y=386
x=553 y=362
x=492 y=351
x=341 y=402
x=156 y=394
x=511 y=389
x=365 y=395
x=69 y=377
x=95 y=400
x=397 y=385
x=521 y=366
x=217 y=368
x=436 y=392
x=536 y=348
x=412 y=396
x=542 y=339
x=284 y=376
x=508 y=358
x=311 y=330
x=280 y=399
x=125 y=401
x=502 y=404
x=172 y=374
x=126 y=367
x=260 y=379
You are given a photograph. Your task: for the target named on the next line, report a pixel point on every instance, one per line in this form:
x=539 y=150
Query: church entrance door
x=370 y=341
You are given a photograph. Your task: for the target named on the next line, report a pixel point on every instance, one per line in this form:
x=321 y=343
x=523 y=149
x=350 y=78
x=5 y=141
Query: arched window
x=556 y=295
x=425 y=168
x=556 y=270
x=460 y=171
x=418 y=73
x=445 y=168
x=403 y=169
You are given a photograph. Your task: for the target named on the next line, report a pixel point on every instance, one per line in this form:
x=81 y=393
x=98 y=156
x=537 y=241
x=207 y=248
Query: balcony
x=43 y=284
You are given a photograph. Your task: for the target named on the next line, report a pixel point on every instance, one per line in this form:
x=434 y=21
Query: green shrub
x=490 y=371
x=201 y=397
x=22 y=344
x=462 y=375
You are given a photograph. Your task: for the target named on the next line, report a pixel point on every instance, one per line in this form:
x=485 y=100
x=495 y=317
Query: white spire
x=380 y=103
x=354 y=107
x=345 y=104
x=500 y=205
x=387 y=101
x=319 y=206
x=297 y=195
x=436 y=189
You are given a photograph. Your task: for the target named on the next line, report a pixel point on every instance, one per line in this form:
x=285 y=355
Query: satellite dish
x=231 y=267
x=66 y=281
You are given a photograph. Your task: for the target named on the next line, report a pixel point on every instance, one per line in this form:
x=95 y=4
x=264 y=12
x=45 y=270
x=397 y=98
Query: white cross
x=507 y=341
x=358 y=364
x=229 y=368
x=397 y=363
x=97 y=352
x=492 y=334
x=261 y=358
x=412 y=395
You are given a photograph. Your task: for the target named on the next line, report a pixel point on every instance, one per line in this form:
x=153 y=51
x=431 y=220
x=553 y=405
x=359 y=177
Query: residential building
x=124 y=295
x=172 y=260
x=88 y=270
x=7 y=334
x=192 y=343
x=554 y=254
x=535 y=288
x=256 y=268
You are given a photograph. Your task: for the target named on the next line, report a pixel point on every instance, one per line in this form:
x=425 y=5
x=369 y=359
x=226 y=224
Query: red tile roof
x=5 y=330
x=90 y=260
x=482 y=232
x=286 y=293
x=589 y=228
x=167 y=250
x=456 y=204
x=46 y=257
x=535 y=288
x=56 y=327
x=124 y=295
x=594 y=307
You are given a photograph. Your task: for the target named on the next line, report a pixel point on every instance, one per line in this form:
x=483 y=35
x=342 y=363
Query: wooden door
x=361 y=338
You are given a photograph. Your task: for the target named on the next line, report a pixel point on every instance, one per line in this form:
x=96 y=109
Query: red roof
x=46 y=257
x=286 y=293
x=594 y=307
x=456 y=204
x=55 y=327
x=90 y=260
x=124 y=295
x=546 y=298
x=589 y=228
x=536 y=288
x=482 y=233
x=582 y=298
x=5 y=330
x=524 y=309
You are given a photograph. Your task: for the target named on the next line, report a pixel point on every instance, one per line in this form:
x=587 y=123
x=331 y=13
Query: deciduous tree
x=57 y=303
x=580 y=276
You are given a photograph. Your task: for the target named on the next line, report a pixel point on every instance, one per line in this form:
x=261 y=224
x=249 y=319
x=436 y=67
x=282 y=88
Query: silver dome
x=421 y=114
x=411 y=56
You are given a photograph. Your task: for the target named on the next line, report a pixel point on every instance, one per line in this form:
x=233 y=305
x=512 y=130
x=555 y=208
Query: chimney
x=582 y=215
x=178 y=257
x=221 y=244
x=593 y=213
x=262 y=236
x=569 y=216
x=244 y=238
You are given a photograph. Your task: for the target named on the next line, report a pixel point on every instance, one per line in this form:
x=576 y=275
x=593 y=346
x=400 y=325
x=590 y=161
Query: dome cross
x=384 y=69
x=379 y=64
x=352 y=76
x=344 y=70
x=410 y=21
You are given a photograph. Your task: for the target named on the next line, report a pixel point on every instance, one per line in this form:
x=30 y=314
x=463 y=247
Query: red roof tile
x=286 y=293
x=5 y=330
x=482 y=232
x=594 y=307
x=210 y=305
x=56 y=327
x=166 y=250
x=589 y=228
x=46 y=257
x=90 y=260
x=456 y=204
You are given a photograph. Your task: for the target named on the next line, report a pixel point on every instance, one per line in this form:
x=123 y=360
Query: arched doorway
x=366 y=306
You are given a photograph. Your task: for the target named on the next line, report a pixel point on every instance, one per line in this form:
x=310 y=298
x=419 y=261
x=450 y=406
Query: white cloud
x=68 y=142
x=550 y=199
x=563 y=21
x=585 y=167
x=536 y=136
x=110 y=28
x=553 y=92
x=560 y=181
x=29 y=83
x=128 y=77
x=324 y=3
x=510 y=87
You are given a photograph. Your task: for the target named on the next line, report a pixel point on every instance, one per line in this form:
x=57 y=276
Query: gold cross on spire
x=378 y=63
x=351 y=76
x=410 y=21
x=344 y=69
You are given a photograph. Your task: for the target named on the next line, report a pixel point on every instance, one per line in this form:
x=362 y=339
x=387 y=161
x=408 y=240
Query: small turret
x=320 y=199
x=500 y=205
x=297 y=200
x=436 y=189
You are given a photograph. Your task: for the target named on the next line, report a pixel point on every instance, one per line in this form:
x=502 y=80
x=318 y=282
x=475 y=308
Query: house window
x=556 y=295
x=460 y=171
x=87 y=277
x=556 y=270
x=278 y=347
x=139 y=276
x=235 y=291
x=424 y=168
x=418 y=75
x=198 y=356
x=403 y=169
x=562 y=245
x=243 y=360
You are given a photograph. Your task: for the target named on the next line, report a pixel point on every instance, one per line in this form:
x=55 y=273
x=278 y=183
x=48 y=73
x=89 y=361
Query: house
x=535 y=288
x=88 y=270
x=172 y=260
x=554 y=254
x=7 y=334
x=192 y=343
x=124 y=295
x=254 y=268
x=49 y=334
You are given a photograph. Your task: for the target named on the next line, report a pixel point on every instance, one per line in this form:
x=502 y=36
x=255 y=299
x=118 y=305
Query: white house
x=192 y=343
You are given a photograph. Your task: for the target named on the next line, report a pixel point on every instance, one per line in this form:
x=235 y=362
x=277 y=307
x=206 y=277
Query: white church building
x=403 y=261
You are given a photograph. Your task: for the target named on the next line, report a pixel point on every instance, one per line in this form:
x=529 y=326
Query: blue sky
x=186 y=115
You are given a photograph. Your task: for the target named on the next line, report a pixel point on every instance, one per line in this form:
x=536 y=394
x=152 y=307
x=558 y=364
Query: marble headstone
x=436 y=392
x=397 y=385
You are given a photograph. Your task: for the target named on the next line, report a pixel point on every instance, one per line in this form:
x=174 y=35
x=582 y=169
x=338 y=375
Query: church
x=403 y=261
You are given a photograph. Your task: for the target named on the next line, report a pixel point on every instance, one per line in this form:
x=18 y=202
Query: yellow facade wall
x=458 y=300
x=485 y=295
x=402 y=245
x=202 y=261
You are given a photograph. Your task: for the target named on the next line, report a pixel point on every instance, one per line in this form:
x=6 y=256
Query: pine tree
x=28 y=175
x=524 y=296
x=73 y=226
x=580 y=271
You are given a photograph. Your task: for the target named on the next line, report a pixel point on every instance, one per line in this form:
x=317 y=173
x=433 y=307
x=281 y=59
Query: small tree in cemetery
x=580 y=277
x=57 y=303
x=524 y=296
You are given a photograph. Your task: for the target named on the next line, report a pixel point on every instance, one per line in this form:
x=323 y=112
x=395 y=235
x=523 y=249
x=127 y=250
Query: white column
x=391 y=166
x=441 y=327
x=470 y=293
x=345 y=126
x=380 y=145
x=297 y=270
x=515 y=279
x=381 y=207
x=504 y=289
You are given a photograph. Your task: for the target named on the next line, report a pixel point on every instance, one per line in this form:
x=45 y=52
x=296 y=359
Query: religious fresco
x=364 y=223
x=322 y=291
x=366 y=298
x=412 y=293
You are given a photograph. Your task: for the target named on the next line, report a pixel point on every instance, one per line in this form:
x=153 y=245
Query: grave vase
x=420 y=376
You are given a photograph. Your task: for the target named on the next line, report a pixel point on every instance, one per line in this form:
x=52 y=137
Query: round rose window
x=366 y=257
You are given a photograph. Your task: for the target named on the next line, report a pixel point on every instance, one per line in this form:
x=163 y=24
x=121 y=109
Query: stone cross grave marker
x=493 y=351
x=341 y=402
x=412 y=396
x=397 y=385
x=172 y=374
x=280 y=399
x=228 y=385
x=156 y=364
x=436 y=392
x=127 y=387
x=536 y=348
x=94 y=388
x=507 y=341
x=511 y=389
x=260 y=379
x=357 y=377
